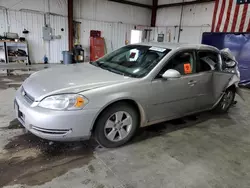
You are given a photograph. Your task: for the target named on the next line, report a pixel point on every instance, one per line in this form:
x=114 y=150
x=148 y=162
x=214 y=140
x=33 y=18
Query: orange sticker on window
x=187 y=68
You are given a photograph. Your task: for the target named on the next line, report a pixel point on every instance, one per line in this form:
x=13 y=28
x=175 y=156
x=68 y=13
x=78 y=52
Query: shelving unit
x=17 y=52
x=13 y=53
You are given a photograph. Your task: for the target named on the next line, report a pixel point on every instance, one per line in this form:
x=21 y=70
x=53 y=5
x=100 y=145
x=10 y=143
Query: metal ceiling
x=162 y=6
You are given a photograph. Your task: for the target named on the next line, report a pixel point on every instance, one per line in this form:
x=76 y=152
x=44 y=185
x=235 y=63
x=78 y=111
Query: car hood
x=69 y=79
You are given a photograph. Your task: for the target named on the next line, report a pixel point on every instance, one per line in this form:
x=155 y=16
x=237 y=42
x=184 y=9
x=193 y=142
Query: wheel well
x=128 y=101
x=232 y=87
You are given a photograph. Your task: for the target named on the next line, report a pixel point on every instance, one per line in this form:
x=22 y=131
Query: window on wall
x=136 y=36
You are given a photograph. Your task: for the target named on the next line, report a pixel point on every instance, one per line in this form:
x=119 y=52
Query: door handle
x=192 y=83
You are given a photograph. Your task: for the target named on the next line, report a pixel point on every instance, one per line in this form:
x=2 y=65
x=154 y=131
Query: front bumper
x=54 y=125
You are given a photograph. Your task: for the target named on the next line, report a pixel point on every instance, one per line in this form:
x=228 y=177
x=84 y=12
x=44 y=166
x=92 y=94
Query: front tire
x=226 y=101
x=116 y=125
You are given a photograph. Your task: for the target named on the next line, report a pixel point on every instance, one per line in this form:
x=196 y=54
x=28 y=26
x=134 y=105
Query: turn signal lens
x=79 y=102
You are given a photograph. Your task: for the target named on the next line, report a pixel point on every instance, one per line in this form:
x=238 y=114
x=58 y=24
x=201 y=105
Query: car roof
x=173 y=46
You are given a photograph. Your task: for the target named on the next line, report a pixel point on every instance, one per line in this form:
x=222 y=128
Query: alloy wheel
x=118 y=126
x=227 y=100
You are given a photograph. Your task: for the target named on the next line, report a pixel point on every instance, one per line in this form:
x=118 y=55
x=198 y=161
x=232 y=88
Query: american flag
x=231 y=16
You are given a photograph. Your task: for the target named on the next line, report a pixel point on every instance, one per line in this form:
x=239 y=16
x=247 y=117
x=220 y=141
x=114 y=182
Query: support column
x=154 y=13
x=70 y=24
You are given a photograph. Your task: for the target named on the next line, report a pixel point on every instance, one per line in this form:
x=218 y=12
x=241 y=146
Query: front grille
x=51 y=131
x=26 y=96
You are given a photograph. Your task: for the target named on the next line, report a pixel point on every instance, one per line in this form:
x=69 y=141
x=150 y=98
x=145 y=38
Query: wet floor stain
x=169 y=126
x=164 y=128
x=12 y=81
x=32 y=161
x=14 y=124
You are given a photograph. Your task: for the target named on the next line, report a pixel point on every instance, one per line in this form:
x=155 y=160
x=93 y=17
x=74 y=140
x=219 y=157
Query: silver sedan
x=134 y=86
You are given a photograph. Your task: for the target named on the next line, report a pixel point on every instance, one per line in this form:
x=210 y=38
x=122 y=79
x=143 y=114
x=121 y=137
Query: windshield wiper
x=110 y=69
x=122 y=73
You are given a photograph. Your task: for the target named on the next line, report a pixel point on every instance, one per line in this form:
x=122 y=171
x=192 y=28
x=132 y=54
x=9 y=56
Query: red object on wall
x=97 y=48
x=95 y=33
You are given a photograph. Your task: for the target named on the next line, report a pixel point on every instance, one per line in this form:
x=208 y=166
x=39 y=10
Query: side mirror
x=171 y=73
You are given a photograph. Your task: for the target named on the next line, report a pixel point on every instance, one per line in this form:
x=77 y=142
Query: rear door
x=220 y=82
x=212 y=81
x=204 y=77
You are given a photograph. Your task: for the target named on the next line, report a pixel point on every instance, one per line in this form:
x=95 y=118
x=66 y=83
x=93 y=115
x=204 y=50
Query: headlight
x=64 y=102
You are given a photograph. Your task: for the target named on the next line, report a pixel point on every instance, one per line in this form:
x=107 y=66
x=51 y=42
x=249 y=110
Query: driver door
x=174 y=97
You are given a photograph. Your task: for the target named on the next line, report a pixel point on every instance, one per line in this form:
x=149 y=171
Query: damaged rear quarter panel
x=221 y=81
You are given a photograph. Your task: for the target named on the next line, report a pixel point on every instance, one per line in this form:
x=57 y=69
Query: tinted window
x=183 y=62
x=133 y=60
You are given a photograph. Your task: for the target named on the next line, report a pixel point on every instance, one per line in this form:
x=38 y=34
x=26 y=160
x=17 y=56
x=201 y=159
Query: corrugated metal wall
x=160 y=2
x=58 y=45
x=53 y=6
x=100 y=10
x=170 y=33
x=121 y=33
x=115 y=29
x=115 y=34
x=196 y=20
x=93 y=14
x=3 y=21
x=86 y=26
x=87 y=9
x=32 y=22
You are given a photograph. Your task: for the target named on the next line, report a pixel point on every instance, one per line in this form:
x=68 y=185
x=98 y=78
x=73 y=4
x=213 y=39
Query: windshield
x=134 y=60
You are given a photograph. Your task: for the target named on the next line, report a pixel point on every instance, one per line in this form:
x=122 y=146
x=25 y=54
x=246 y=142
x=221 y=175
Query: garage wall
x=93 y=14
x=161 y=2
x=3 y=20
x=32 y=22
x=196 y=20
x=58 y=45
x=100 y=10
x=115 y=34
x=53 y=6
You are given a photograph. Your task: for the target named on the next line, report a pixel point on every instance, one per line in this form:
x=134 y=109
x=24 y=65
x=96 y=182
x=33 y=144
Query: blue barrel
x=67 y=57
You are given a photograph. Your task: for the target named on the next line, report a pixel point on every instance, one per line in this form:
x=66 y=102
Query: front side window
x=134 y=61
x=183 y=62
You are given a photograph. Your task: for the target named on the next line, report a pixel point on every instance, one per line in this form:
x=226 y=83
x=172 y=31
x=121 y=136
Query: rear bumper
x=55 y=125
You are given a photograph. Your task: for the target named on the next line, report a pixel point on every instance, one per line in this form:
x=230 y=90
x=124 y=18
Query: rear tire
x=116 y=125
x=226 y=101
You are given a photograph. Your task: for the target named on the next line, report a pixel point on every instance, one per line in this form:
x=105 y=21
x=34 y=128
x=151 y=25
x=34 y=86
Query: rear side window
x=207 y=61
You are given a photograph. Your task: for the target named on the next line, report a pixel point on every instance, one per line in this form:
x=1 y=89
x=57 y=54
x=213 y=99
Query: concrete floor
x=211 y=151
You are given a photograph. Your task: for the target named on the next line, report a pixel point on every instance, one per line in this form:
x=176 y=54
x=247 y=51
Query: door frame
x=187 y=76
